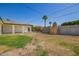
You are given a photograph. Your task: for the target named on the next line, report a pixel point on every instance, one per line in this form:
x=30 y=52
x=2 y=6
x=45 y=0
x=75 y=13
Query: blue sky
x=31 y=13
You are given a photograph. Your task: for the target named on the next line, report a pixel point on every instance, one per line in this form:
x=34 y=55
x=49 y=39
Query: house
x=10 y=27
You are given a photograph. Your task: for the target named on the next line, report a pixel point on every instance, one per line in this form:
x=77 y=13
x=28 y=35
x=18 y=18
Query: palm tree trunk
x=50 y=25
x=44 y=23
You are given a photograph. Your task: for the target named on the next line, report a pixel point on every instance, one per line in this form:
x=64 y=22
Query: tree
x=54 y=24
x=50 y=23
x=45 y=19
x=76 y=22
x=37 y=28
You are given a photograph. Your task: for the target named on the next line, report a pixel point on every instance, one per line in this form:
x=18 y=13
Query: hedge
x=71 y=23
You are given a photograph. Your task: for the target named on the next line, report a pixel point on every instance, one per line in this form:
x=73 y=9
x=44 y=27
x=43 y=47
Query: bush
x=71 y=23
x=37 y=28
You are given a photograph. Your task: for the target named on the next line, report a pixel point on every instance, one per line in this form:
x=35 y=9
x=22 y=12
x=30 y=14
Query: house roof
x=12 y=22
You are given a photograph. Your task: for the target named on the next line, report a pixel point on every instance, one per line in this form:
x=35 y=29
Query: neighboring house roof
x=12 y=22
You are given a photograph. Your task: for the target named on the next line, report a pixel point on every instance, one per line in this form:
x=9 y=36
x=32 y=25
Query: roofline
x=14 y=23
x=18 y=24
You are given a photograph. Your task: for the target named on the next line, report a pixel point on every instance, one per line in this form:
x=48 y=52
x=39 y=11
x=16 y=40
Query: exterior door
x=28 y=29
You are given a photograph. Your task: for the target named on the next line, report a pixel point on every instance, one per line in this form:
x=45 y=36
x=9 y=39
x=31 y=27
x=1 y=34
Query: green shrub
x=71 y=23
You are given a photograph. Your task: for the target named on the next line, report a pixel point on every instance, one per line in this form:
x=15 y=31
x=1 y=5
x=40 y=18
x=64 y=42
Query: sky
x=32 y=13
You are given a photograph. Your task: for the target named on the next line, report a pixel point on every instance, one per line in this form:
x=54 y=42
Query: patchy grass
x=17 y=41
x=76 y=50
x=54 y=41
x=4 y=49
x=41 y=52
x=66 y=44
x=72 y=46
x=53 y=45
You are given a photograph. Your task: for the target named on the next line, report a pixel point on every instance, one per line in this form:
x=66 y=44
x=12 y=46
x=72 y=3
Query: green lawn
x=15 y=41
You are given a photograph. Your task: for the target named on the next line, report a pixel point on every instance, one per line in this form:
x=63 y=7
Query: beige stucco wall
x=27 y=28
x=22 y=28
x=18 y=28
x=1 y=27
x=7 y=28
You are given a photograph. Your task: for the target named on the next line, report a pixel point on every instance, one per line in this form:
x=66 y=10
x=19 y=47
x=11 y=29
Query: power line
x=64 y=8
x=67 y=14
x=53 y=12
x=31 y=9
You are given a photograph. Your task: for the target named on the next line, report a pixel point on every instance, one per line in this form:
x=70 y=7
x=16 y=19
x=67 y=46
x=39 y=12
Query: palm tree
x=50 y=23
x=45 y=19
x=54 y=24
